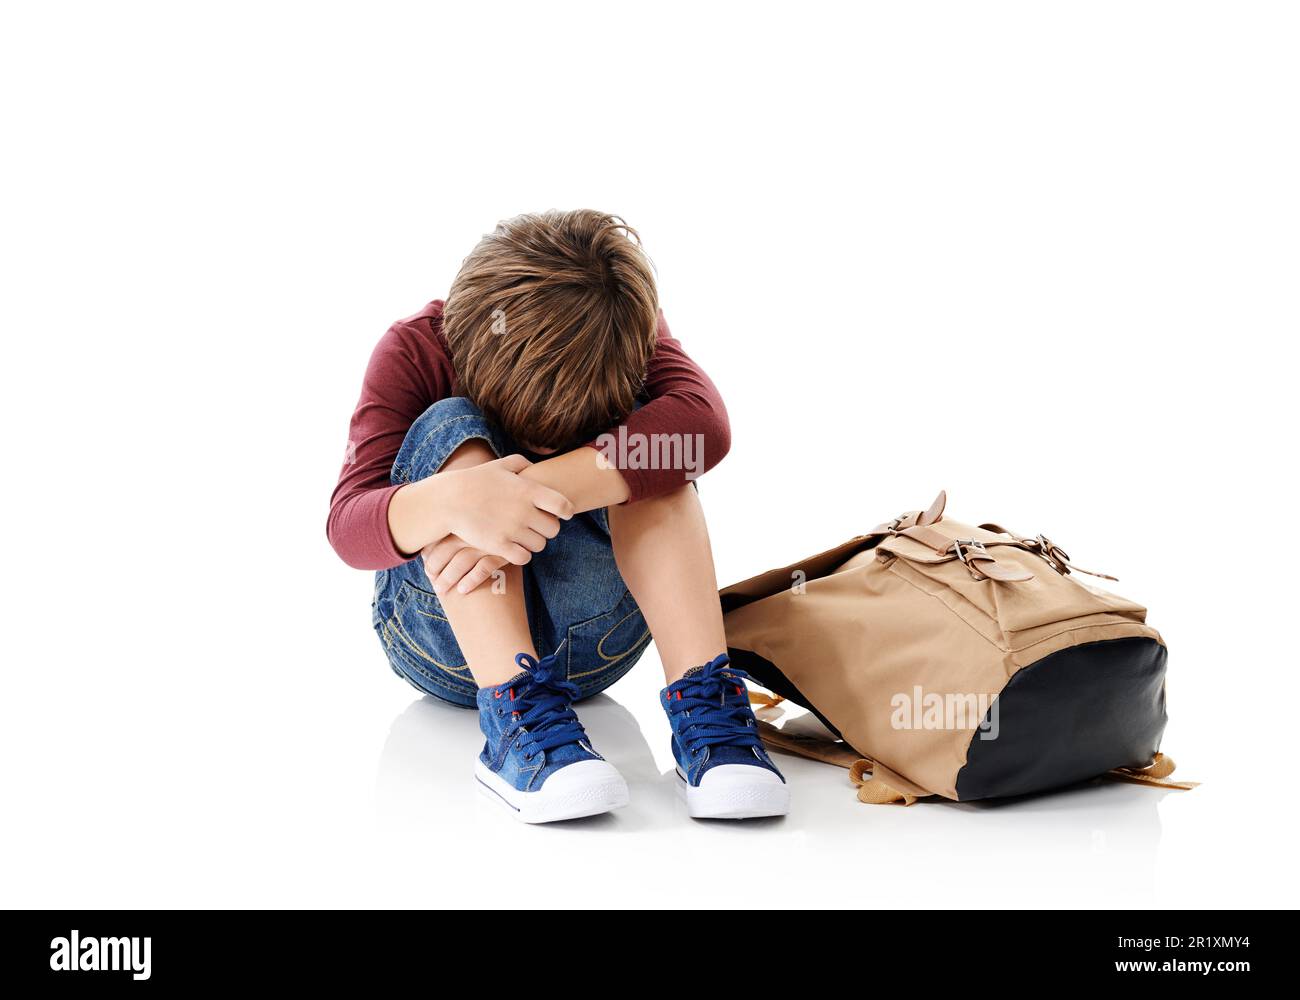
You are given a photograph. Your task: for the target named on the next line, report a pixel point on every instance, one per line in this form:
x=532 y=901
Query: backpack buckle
x=967 y=548
x=961 y=545
x=1056 y=556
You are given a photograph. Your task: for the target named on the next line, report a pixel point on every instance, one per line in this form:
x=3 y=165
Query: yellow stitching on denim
x=476 y=436
x=450 y=682
x=409 y=593
x=600 y=646
x=408 y=641
x=636 y=646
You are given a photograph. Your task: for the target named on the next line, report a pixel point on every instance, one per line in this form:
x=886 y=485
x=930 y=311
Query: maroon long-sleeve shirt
x=411 y=369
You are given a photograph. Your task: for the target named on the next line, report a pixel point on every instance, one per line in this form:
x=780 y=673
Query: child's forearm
x=414 y=518
x=485 y=502
x=583 y=477
x=578 y=475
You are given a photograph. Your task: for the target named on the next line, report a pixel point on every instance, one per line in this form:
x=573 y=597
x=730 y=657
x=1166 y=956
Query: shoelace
x=713 y=722
x=543 y=716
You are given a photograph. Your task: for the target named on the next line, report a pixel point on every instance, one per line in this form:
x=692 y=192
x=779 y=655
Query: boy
x=520 y=475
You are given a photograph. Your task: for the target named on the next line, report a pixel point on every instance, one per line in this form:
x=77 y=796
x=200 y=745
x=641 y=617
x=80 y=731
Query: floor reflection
x=425 y=769
x=1096 y=844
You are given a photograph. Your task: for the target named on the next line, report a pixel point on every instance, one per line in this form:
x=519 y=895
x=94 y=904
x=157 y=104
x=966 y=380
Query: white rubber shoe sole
x=735 y=791
x=586 y=788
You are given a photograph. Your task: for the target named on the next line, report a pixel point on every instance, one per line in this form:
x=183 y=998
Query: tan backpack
x=967 y=662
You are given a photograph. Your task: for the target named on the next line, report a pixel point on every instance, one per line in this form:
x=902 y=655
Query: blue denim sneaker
x=722 y=768
x=537 y=760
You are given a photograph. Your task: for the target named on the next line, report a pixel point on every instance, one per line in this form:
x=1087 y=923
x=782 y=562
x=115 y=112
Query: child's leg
x=723 y=770
x=537 y=759
x=490 y=626
x=662 y=548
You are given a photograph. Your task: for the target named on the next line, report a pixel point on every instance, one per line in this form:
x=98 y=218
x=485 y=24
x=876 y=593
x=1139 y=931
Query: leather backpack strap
x=811 y=747
x=970 y=551
x=1155 y=774
x=935 y=510
x=1048 y=550
x=874 y=789
x=911 y=518
x=871 y=789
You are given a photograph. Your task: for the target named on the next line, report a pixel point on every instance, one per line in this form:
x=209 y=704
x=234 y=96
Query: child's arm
x=490 y=507
x=684 y=420
x=583 y=477
x=684 y=404
x=579 y=475
x=376 y=524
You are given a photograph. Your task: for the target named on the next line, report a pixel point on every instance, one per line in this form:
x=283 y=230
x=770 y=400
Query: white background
x=1042 y=255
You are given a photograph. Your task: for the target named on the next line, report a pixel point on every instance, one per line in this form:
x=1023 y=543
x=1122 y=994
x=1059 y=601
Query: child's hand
x=451 y=563
x=492 y=509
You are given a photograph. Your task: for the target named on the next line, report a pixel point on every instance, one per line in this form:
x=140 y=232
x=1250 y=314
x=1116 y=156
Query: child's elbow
x=343 y=543
x=717 y=436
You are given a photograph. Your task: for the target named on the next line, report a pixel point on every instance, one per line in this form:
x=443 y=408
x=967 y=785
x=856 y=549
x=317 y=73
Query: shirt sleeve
x=399 y=385
x=679 y=434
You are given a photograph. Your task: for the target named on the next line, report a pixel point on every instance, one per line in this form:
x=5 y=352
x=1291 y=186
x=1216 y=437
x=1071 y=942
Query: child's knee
x=684 y=501
x=473 y=452
x=452 y=429
x=684 y=497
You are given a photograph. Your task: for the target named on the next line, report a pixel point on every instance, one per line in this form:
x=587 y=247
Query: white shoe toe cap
x=740 y=776
x=737 y=791
x=584 y=774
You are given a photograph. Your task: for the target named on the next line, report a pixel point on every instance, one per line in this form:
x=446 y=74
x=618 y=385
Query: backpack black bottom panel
x=1071 y=716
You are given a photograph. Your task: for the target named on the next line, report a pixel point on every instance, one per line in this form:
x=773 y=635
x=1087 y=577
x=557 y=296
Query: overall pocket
x=602 y=649
x=419 y=639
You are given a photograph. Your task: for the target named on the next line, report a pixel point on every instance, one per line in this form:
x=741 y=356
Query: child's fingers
x=436 y=556
x=547 y=499
x=514 y=463
x=546 y=525
x=461 y=563
x=530 y=539
x=512 y=552
x=480 y=574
